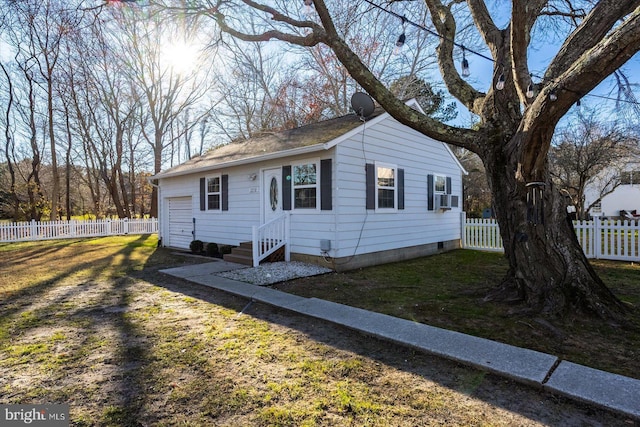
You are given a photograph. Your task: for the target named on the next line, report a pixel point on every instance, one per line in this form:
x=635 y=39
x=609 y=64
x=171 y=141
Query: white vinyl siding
x=390 y=143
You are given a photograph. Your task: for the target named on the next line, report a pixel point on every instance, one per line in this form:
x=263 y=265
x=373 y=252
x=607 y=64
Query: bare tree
x=9 y=145
x=515 y=126
x=589 y=153
x=163 y=90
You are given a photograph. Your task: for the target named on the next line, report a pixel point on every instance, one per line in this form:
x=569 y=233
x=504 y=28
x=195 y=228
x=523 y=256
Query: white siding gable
x=389 y=142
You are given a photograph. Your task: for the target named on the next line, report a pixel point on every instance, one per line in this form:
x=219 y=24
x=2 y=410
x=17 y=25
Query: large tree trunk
x=548 y=270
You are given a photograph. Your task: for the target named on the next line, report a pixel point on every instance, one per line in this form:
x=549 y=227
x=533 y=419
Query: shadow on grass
x=97 y=298
x=96 y=308
x=526 y=401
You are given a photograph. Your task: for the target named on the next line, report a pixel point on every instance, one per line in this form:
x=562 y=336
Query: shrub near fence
x=615 y=240
x=49 y=230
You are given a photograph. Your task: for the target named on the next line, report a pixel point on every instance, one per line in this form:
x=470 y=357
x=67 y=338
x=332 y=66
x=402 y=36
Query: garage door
x=180 y=222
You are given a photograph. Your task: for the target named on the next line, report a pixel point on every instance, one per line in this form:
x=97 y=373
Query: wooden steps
x=242 y=254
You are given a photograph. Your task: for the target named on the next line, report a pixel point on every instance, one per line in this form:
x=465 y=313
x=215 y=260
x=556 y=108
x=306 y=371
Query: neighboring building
x=625 y=197
x=357 y=192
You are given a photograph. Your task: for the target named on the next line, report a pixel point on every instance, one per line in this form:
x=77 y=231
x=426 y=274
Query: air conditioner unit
x=443 y=201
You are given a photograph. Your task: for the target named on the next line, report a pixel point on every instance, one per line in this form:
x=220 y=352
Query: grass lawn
x=92 y=323
x=447 y=290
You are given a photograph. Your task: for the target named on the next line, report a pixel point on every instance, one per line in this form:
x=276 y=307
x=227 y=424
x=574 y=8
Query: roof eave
x=244 y=161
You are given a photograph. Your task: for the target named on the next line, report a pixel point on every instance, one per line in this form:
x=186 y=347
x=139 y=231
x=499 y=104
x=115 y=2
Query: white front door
x=272 y=193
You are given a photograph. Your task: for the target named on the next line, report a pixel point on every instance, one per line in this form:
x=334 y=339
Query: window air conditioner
x=443 y=201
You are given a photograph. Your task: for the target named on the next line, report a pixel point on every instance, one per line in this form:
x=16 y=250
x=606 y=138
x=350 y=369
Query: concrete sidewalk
x=614 y=392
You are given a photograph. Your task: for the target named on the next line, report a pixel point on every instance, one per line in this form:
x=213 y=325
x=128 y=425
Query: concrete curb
x=610 y=391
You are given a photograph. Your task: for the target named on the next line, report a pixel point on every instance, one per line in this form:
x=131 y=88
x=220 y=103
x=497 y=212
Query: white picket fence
x=49 y=230
x=615 y=240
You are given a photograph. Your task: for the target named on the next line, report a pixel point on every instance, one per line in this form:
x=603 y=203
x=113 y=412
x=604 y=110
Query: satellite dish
x=362 y=104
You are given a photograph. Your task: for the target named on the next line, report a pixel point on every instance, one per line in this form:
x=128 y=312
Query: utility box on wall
x=325 y=245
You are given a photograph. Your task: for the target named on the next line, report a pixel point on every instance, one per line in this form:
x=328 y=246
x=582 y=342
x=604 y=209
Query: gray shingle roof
x=270 y=143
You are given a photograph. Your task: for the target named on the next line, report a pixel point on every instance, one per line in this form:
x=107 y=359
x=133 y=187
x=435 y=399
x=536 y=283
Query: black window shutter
x=225 y=192
x=370 y=171
x=448 y=185
x=203 y=194
x=430 y=192
x=286 y=188
x=454 y=201
x=325 y=185
x=400 y=188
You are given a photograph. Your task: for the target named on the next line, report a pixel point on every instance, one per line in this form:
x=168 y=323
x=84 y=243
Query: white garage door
x=180 y=222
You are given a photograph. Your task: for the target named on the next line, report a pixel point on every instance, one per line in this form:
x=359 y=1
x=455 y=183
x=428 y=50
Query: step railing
x=270 y=237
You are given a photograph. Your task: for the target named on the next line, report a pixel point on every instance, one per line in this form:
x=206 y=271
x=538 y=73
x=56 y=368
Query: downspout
x=150 y=180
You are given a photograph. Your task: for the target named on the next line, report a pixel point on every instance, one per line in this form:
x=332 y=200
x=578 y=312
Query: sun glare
x=182 y=58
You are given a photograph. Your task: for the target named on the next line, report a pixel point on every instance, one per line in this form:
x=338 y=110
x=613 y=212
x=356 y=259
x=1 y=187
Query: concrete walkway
x=614 y=392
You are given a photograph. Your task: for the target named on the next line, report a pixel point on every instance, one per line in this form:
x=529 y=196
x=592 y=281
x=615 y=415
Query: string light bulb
x=530 y=90
x=553 y=96
x=465 y=65
x=530 y=93
x=308 y=6
x=402 y=38
x=500 y=82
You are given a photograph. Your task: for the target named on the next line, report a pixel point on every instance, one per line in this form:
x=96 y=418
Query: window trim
x=394 y=168
x=316 y=162
x=207 y=193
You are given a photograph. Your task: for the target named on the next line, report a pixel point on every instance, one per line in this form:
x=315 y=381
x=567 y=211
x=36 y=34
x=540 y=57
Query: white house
x=346 y=192
x=625 y=197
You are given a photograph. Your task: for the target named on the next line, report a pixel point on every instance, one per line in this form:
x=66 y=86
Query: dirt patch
x=125 y=345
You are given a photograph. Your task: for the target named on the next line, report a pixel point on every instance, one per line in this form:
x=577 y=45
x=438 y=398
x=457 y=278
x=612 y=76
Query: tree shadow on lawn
x=113 y=364
x=73 y=321
x=517 y=398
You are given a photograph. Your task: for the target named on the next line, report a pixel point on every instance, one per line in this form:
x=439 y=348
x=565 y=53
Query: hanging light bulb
x=529 y=93
x=465 y=65
x=308 y=6
x=399 y=43
x=500 y=82
x=402 y=38
x=553 y=96
x=578 y=103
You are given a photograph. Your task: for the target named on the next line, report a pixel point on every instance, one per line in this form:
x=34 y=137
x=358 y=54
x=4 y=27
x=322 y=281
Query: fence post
x=597 y=238
x=33 y=230
x=125 y=226
x=463 y=229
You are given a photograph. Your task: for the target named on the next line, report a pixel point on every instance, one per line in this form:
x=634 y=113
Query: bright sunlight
x=181 y=57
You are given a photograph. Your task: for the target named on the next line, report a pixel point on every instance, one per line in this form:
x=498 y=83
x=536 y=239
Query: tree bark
x=548 y=270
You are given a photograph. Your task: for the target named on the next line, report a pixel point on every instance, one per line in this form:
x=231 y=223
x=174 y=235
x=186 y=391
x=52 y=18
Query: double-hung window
x=440 y=184
x=214 y=193
x=386 y=186
x=305 y=185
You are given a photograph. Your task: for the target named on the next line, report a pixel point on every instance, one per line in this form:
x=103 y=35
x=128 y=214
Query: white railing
x=615 y=240
x=270 y=237
x=50 y=230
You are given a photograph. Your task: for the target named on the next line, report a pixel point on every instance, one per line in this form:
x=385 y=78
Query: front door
x=272 y=193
